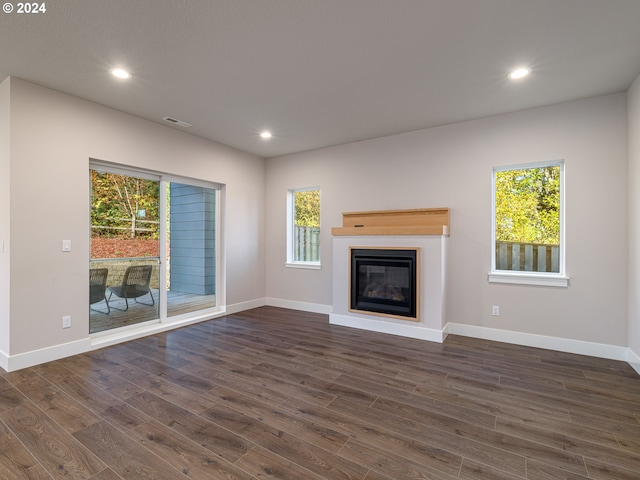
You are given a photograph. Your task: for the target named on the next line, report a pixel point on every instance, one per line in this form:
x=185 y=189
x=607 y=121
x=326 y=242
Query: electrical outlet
x=66 y=321
x=495 y=310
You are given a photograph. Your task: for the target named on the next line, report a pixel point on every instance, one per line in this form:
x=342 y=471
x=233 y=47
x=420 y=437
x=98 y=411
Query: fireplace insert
x=385 y=281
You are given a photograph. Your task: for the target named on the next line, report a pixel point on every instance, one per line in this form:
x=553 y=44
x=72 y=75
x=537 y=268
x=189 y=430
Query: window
x=154 y=248
x=528 y=224
x=303 y=227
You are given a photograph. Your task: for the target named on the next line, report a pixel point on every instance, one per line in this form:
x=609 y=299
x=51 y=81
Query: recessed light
x=519 y=73
x=120 y=73
x=266 y=135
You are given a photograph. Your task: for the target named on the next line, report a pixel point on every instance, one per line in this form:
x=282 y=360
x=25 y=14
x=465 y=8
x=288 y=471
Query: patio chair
x=135 y=284
x=98 y=287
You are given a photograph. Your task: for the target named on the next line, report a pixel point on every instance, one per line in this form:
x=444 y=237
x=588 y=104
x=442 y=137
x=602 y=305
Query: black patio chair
x=135 y=284
x=98 y=288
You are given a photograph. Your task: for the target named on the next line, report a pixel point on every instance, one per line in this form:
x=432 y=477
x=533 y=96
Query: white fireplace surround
x=433 y=256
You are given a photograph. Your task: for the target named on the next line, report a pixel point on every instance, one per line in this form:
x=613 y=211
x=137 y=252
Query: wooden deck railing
x=306 y=244
x=527 y=257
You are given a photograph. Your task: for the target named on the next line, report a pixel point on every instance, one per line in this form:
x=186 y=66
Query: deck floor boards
x=138 y=312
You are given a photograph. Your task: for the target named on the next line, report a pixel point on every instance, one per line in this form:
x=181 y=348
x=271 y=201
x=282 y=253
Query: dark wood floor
x=274 y=393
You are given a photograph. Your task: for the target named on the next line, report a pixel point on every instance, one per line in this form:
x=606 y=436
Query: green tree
x=118 y=200
x=307 y=204
x=528 y=205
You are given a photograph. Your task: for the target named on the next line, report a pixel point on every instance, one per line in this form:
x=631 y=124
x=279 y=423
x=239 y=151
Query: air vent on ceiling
x=176 y=122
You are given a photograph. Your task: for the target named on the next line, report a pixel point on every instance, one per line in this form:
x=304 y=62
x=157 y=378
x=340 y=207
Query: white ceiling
x=323 y=72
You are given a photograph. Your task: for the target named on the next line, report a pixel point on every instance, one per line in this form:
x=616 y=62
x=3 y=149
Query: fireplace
x=400 y=237
x=384 y=281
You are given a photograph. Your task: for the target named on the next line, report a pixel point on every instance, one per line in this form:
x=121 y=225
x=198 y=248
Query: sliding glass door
x=191 y=248
x=124 y=266
x=154 y=248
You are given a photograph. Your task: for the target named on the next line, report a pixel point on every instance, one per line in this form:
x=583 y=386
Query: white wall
x=5 y=149
x=451 y=166
x=633 y=98
x=53 y=136
x=431 y=268
x=44 y=190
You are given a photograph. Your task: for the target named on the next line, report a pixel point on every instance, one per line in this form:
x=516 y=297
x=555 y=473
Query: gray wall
x=634 y=218
x=53 y=136
x=451 y=166
x=5 y=170
x=448 y=166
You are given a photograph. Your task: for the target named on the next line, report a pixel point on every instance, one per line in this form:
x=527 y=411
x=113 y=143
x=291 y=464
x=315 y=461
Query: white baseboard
x=144 y=330
x=580 y=347
x=634 y=360
x=304 y=306
x=613 y=352
x=248 y=305
x=381 y=326
x=56 y=352
x=4 y=361
x=36 y=357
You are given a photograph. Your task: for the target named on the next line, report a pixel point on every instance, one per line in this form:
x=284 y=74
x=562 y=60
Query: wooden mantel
x=421 y=221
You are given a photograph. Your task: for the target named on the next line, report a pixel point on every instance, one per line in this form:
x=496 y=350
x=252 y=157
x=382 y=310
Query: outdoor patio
x=177 y=304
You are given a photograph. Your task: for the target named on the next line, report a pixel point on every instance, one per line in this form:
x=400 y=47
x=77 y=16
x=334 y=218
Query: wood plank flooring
x=280 y=394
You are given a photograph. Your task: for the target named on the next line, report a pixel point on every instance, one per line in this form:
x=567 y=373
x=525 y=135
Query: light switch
x=66 y=245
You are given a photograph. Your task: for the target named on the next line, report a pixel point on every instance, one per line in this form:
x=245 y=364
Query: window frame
x=550 y=279
x=220 y=263
x=291 y=262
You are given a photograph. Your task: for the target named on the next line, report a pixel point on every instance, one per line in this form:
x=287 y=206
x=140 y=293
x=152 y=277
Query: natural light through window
x=303 y=227
x=528 y=236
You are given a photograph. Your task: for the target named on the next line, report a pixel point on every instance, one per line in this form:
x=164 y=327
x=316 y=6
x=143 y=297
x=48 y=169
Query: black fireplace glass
x=384 y=281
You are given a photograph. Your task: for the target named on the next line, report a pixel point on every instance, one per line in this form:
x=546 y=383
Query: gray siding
x=192 y=220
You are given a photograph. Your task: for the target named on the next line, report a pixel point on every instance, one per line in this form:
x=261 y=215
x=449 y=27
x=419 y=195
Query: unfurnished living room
x=320 y=239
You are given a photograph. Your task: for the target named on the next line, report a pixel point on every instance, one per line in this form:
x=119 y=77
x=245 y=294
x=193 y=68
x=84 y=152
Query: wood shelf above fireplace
x=420 y=221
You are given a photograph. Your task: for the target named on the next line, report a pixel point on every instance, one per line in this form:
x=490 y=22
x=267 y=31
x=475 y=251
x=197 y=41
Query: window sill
x=529 y=278
x=304 y=265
